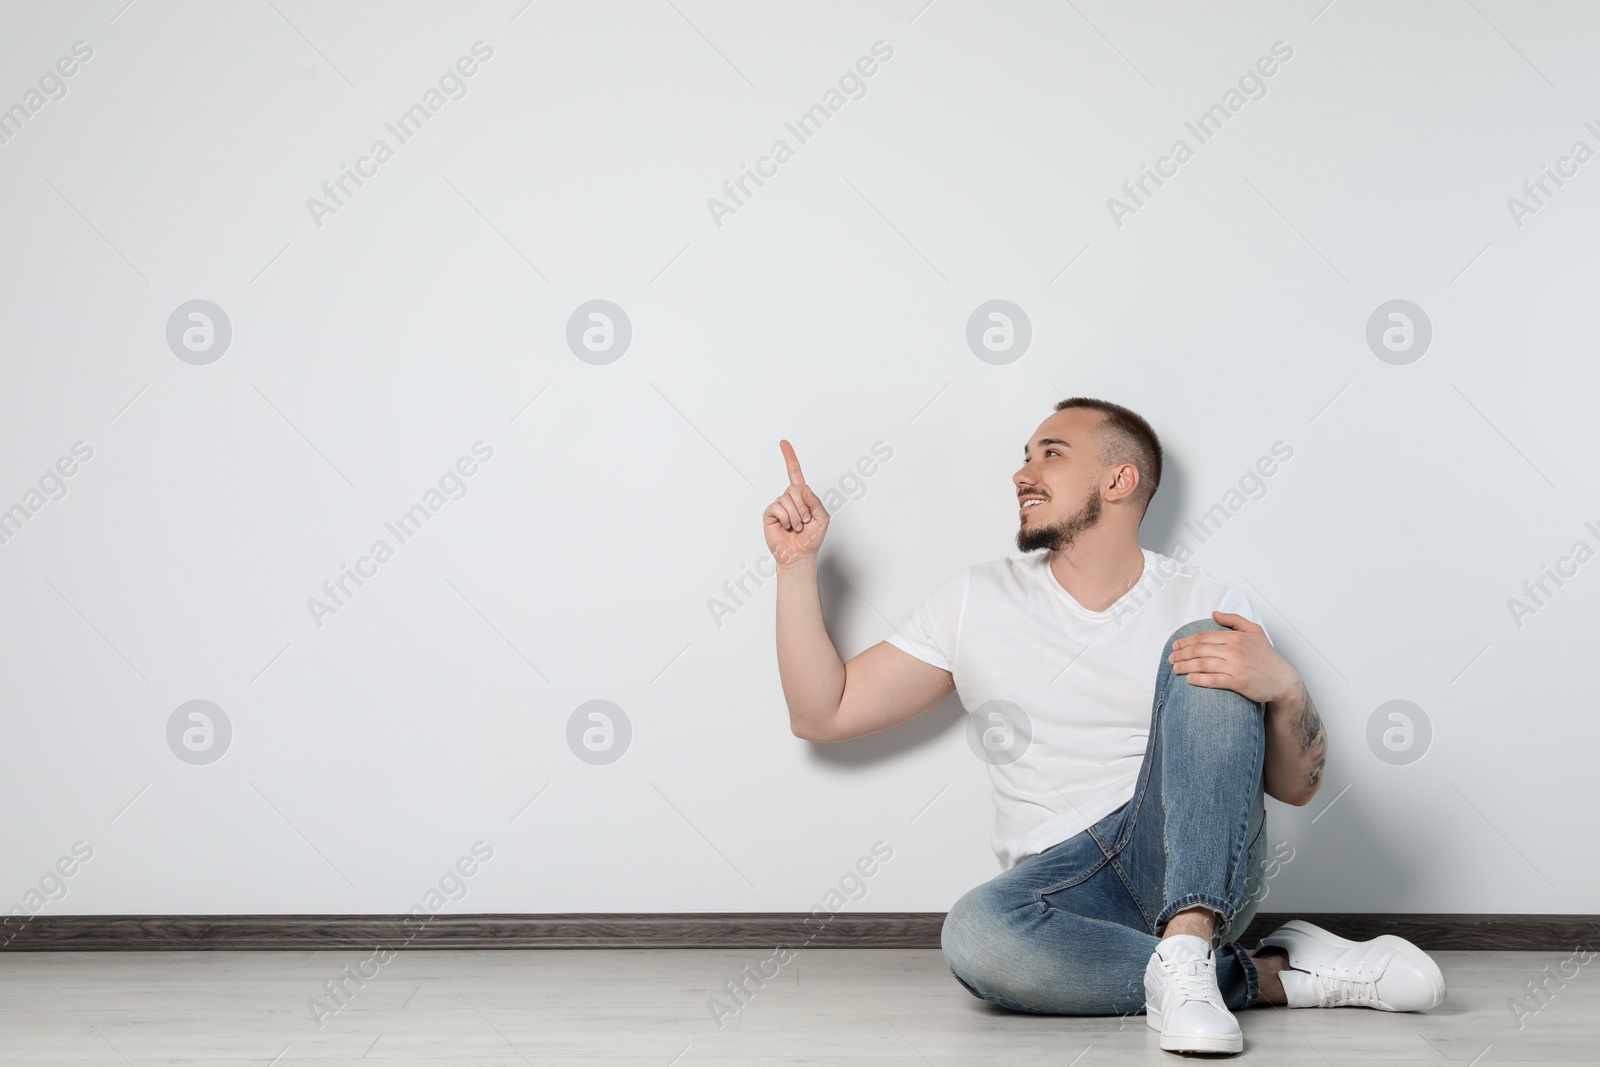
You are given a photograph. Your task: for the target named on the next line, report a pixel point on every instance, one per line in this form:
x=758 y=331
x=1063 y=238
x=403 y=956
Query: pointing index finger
x=792 y=462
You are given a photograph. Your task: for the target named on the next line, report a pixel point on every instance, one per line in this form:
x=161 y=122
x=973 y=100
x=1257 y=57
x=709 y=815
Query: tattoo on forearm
x=1309 y=724
x=1314 y=775
x=1309 y=727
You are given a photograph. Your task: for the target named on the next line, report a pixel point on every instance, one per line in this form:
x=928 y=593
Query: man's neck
x=1098 y=572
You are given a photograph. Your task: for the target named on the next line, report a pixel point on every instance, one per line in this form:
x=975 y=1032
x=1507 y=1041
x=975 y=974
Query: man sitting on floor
x=1141 y=712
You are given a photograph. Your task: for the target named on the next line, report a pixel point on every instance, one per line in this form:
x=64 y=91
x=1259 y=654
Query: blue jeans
x=1068 y=931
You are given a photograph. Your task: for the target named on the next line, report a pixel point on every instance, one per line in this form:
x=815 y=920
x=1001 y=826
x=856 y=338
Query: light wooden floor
x=608 y=1008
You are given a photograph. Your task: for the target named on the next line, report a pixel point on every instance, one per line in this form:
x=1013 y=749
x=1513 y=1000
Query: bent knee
x=1210 y=695
x=977 y=934
x=969 y=924
x=993 y=955
x=1194 y=627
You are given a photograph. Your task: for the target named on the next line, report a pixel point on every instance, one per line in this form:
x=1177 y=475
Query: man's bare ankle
x=1200 y=922
x=1269 y=961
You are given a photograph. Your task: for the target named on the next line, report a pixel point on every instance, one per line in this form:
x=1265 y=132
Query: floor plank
x=639 y=1007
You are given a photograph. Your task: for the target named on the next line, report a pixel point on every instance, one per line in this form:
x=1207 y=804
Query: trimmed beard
x=1061 y=535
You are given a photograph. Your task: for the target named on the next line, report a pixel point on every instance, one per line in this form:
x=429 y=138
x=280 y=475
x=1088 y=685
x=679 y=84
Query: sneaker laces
x=1340 y=984
x=1192 y=979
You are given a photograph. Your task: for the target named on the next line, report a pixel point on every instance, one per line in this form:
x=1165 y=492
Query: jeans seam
x=1137 y=803
x=1040 y=894
x=1244 y=889
x=1226 y=912
x=1239 y=859
x=1133 y=894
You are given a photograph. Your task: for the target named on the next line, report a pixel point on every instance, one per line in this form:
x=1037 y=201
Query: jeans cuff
x=1252 y=979
x=1224 y=910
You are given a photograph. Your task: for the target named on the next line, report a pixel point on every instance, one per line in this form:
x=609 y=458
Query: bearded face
x=1053 y=524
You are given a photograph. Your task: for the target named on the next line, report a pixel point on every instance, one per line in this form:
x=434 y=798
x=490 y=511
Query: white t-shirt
x=1084 y=680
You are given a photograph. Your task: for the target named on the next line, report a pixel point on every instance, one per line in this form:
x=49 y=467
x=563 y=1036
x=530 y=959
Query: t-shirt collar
x=1048 y=577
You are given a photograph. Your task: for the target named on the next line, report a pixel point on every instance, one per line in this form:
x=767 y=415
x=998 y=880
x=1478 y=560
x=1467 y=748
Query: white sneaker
x=1326 y=971
x=1182 y=1001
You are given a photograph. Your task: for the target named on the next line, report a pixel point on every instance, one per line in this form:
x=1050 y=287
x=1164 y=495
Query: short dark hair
x=1125 y=437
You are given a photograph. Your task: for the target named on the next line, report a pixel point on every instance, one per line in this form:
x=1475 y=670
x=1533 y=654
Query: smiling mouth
x=1030 y=503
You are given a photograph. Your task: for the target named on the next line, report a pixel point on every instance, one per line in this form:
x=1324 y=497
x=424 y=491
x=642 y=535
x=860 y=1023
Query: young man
x=1132 y=711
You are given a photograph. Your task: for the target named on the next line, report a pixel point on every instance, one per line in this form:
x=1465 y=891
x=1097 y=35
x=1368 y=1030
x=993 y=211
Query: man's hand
x=796 y=522
x=1239 y=658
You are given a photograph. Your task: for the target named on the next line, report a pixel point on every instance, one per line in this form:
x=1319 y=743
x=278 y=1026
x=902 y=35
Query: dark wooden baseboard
x=691 y=930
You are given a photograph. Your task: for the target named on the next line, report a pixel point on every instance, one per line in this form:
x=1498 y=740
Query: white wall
x=375 y=345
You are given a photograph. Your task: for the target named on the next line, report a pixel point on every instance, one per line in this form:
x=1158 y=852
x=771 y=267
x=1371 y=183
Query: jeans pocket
x=1072 y=862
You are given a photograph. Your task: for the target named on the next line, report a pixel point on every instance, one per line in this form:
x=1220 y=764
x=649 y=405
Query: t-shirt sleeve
x=930 y=630
x=1234 y=600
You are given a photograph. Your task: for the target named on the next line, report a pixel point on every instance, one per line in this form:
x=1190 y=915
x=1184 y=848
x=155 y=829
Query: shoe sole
x=1175 y=1042
x=1415 y=955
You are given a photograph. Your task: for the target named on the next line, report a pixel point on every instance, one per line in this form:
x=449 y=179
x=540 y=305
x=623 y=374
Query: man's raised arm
x=830 y=700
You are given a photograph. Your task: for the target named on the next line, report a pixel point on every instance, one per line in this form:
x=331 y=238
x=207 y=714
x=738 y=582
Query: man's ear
x=1125 y=481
